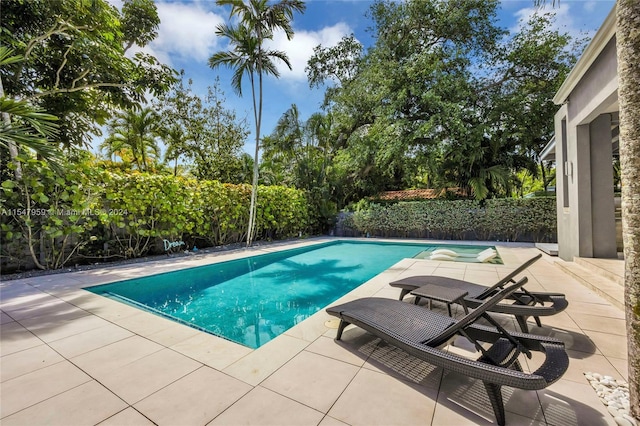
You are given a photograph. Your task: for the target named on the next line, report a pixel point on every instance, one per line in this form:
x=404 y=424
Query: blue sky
x=186 y=40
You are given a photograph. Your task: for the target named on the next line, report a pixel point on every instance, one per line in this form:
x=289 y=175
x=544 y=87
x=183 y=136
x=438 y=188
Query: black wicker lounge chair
x=524 y=303
x=421 y=332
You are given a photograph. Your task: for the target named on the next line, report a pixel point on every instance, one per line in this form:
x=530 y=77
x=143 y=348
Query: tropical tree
x=257 y=22
x=203 y=132
x=25 y=127
x=135 y=132
x=72 y=61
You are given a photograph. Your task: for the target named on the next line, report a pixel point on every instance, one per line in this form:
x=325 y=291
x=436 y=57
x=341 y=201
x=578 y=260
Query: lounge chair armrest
x=532 y=342
x=554 y=304
x=473 y=368
x=555 y=364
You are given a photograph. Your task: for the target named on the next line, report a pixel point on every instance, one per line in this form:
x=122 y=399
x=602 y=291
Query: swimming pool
x=253 y=300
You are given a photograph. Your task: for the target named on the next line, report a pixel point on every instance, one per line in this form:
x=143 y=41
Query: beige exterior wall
x=584 y=182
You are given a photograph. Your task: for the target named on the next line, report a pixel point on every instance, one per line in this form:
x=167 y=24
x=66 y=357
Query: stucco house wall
x=588 y=102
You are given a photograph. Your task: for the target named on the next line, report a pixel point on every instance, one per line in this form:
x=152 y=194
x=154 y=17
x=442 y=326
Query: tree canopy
x=444 y=98
x=73 y=62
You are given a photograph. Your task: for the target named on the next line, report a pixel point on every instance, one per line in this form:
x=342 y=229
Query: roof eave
x=595 y=47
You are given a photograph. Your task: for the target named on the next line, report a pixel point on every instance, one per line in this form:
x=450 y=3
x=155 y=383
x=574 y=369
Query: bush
x=509 y=219
x=89 y=214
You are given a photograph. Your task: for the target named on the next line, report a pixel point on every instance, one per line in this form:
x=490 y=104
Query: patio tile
x=449 y=413
x=211 y=350
x=388 y=293
x=259 y=364
x=560 y=321
x=141 y=378
x=330 y=421
x=128 y=417
x=51 y=328
x=467 y=397
x=144 y=323
x=264 y=407
x=5 y=318
x=481 y=277
x=345 y=352
x=23 y=362
x=41 y=305
x=573 y=339
x=86 y=404
x=173 y=334
x=90 y=340
x=418 y=268
x=316 y=387
x=580 y=363
x=10 y=291
x=15 y=338
x=194 y=399
x=451 y=269
x=377 y=399
x=566 y=403
x=609 y=344
x=602 y=324
x=102 y=361
x=313 y=326
x=108 y=309
x=32 y=388
x=398 y=364
x=595 y=309
x=621 y=366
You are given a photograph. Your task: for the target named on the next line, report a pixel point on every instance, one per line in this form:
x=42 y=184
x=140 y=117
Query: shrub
x=526 y=219
x=96 y=214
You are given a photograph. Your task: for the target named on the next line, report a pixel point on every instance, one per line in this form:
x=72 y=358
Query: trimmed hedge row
x=506 y=219
x=93 y=214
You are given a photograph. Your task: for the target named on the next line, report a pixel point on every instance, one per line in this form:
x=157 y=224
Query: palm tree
x=30 y=128
x=257 y=22
x=174 y=138
x=628 y=47
x=135 y=132
x=628 y=53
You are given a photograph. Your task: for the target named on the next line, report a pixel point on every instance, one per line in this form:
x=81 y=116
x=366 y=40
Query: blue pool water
x=252 y=300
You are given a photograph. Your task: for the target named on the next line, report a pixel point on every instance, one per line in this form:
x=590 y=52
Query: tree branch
x=74 y=89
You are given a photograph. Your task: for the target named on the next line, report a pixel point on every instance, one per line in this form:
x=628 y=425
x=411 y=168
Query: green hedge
x=93 y=214
x=508 y=219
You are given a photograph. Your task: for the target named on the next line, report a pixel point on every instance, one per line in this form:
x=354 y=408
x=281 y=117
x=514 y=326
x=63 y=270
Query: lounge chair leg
x=495 y=396
x=522 y=322
x=341 y=327
x=403 y=293
x=538 y=321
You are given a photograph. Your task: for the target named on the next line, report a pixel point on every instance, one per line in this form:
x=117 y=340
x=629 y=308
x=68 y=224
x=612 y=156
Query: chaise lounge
x=524 y=303
x=421 y=333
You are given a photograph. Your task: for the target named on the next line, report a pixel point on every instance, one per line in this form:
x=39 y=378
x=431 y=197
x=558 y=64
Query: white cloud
x=564 y=22
x=300 y=48
x=590 y=6
x=187 y=30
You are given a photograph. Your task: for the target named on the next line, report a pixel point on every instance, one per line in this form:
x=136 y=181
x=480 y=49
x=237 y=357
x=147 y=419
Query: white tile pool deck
x=70 y=357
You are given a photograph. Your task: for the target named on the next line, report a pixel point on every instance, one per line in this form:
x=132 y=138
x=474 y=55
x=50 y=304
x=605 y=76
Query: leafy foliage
x=204 y=133
x=93 y=213
x=508 y=219
x=258 y=20
x=73 y=62
x=445 y=98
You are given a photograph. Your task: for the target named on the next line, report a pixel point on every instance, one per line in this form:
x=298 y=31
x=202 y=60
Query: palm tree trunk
x=257 y=115
x=628 y=47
